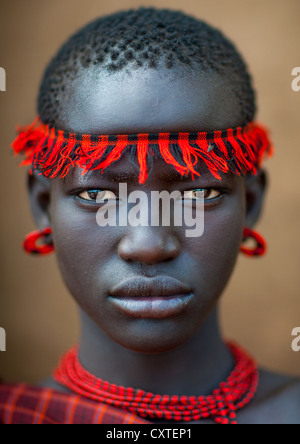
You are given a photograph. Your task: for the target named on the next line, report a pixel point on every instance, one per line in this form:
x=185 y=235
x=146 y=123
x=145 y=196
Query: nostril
x=148 y=248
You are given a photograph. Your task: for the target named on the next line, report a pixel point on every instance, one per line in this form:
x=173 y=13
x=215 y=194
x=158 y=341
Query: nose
x=149 y=245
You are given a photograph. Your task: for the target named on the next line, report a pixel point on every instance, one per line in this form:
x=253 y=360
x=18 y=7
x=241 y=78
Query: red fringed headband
x=52 y=152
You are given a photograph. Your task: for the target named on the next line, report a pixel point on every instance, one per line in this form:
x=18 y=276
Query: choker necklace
x=221 y=406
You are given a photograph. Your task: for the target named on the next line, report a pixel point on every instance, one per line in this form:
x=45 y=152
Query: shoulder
x=9 y=394
x=277 y=400
x=22 y=403
x=50 y=383
x=50 y=403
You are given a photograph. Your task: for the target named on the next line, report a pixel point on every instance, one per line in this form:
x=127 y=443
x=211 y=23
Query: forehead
x=162 y=176
x=148 y=100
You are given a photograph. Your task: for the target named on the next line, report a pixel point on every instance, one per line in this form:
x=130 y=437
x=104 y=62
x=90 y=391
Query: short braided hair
x=141 y=38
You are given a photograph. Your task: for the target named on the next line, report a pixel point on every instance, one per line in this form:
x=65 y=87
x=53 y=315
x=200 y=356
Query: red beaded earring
x=30 y=243
x=261 y=245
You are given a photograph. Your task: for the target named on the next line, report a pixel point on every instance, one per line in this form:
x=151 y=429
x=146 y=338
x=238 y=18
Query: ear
x=39 y=195
x=256 y=187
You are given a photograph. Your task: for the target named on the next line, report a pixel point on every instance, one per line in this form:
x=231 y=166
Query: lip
x=150 y=287
x=157 y=298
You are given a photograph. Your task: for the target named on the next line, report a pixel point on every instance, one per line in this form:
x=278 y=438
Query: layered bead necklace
x=221 y=406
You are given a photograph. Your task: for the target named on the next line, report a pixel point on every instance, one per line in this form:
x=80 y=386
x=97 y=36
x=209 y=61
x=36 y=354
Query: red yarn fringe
x=53 y=152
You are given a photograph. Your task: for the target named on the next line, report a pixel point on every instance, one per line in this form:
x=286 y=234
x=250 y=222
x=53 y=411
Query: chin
x=153 y=338
x=150 y=348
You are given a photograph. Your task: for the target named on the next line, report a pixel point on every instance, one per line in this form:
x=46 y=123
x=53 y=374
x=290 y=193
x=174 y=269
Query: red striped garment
x=27 y=404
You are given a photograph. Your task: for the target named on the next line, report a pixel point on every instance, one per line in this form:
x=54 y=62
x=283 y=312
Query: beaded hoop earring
x=261 y=246
x=30 y=243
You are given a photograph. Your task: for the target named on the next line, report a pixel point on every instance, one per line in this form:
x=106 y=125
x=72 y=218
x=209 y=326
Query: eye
x=202 y=193
x=97 y=196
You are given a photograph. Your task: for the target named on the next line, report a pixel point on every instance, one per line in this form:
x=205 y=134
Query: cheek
x=215 y=253
x=222 y=236
x=83 y=249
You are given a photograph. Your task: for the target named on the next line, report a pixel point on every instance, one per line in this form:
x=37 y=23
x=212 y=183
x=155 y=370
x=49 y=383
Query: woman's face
x=121 y=275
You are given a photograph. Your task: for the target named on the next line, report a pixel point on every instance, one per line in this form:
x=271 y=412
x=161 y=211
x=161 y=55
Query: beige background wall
x=262 y=304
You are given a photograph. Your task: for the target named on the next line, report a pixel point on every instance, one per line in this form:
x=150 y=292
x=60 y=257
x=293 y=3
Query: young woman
x=160 y=102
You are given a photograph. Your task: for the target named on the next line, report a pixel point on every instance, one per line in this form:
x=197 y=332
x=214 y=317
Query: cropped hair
x=144 y=37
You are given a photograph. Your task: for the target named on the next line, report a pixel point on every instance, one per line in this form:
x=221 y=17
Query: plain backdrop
x=261 y=304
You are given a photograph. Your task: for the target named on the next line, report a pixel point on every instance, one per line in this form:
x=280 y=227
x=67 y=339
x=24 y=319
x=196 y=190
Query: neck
x=197 y=367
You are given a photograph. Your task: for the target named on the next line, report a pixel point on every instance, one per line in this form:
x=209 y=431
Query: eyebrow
x=131 y=177
x=120 y=175
x=105 y=175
